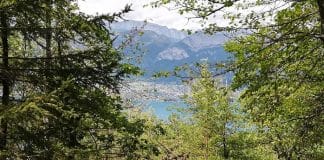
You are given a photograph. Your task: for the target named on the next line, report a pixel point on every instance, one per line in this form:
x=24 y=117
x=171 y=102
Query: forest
x=61 y=78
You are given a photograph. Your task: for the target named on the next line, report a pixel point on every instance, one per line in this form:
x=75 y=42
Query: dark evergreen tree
x=60 y=78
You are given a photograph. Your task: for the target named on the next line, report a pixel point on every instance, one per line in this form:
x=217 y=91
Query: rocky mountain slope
x=166 y=48
x=162 y=49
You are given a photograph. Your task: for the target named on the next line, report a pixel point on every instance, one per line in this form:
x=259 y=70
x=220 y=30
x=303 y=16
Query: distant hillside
x=161 y=30
x=166 y=48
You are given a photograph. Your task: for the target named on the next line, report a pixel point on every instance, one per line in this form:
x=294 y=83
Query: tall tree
x=212 y=126
x=279 y=65
x=212 y=110
x=60 y=77
x=5 y=78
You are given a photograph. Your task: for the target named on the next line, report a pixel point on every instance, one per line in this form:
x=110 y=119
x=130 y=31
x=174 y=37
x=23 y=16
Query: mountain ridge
x=162 y=30
x=164 y=50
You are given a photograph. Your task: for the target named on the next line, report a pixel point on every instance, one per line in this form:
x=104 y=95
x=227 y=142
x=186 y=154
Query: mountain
x=161 y=30
x=163 y=49
x=200 y=40
x=172 y=53
x=166 y=48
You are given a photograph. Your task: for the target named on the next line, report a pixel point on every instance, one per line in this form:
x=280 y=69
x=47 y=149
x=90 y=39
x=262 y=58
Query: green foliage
x=161 y=74
x=71 y=122
x=211 y=127
x=281 y=67
x=278 y=67
x=222 y=131
x=60 y=78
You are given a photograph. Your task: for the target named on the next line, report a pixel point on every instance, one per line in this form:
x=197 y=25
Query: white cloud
x=102 y=6
x=161 y=16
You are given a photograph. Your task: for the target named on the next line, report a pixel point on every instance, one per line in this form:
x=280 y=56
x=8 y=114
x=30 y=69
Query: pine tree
x=60 y=78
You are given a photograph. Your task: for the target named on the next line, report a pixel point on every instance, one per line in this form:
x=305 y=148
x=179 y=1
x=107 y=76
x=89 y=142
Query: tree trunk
x=321 y=12
x=48 y=46
x=207 y=148
x=5 y=77
x=225 y=150
x=48 y=36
